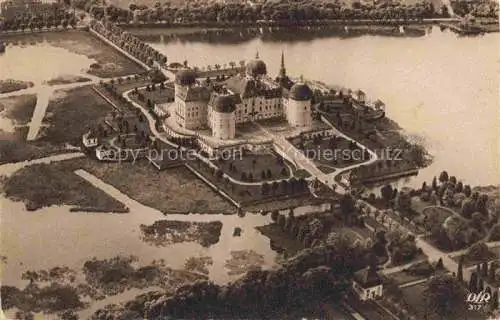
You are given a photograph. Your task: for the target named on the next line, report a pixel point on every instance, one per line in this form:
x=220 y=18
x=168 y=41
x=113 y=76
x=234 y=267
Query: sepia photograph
x=249 y=159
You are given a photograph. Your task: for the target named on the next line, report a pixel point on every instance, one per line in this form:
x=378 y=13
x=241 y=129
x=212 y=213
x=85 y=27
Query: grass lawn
x=43 y=185
x=171 y=190
x=403 y=277
x=159 y=95
x=250 y=195
x=14 y=148
x=69 y=116
x=334 y=152
x=436 y=215
x=255 y=165
x=282 y=204
x=111 y=63
x=19 y=109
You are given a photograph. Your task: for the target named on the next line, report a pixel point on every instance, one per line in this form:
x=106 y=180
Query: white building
x=367 y=284
x=241 y=98
x=90 y=139
x=190 y=101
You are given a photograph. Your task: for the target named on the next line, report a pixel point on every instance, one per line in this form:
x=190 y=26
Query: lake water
x=441 y=88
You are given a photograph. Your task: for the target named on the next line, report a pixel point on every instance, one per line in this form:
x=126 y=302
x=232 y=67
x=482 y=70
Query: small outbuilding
x=367 y=284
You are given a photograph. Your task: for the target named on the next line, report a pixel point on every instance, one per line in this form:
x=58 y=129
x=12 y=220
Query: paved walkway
x=9 y=168
x=392 y=270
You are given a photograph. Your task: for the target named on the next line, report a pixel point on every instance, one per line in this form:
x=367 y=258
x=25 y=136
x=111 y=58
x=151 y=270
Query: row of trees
x=283 y=11
x=129 y=43
x=38 y=22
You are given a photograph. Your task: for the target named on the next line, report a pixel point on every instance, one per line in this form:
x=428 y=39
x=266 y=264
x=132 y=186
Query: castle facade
x=246 y=97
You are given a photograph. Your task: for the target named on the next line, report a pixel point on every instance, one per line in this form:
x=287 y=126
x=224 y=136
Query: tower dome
x=256 y=68
x=300 y=92
x=224 y=104
x=185 y=77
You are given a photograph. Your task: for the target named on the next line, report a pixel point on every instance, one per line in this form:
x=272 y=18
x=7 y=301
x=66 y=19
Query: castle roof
x=195 y=93
x=185 y=77
x=247 y=87
x=256 y=68
x=367 y=277
x=300 y=92
x=224 y=103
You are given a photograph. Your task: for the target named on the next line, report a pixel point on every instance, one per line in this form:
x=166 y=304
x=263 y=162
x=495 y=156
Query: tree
x=265 y=188
x=274 y=215
x=404 y=201
x=281 y=221
x=424 y=186
x=444 y=295
x=460 y=272
x=439 y=264
x=386 y=192
x=473 y=282
x=434 y=183
x=443 y=177
x=347 y=206
x=467 y=191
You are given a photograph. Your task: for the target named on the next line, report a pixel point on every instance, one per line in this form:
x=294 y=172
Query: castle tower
x=223 y=120
x=298 y=106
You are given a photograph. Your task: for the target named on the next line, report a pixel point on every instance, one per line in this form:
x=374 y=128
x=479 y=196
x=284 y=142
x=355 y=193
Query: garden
x=253 y=194
x=454 y=214
x=333 y=153
x=255 y=167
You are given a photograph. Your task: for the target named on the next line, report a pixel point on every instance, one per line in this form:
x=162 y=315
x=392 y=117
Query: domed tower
x=184 y=78
x=256 y=68
x=222 y=118
x=298 y=106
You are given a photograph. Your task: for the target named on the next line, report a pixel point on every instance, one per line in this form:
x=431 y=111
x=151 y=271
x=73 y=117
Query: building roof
x=185 y=77
x=300 y=92
x=195 y=93
x=256 y=68
x=247 y=87
x=224 y=103
x=367 y=277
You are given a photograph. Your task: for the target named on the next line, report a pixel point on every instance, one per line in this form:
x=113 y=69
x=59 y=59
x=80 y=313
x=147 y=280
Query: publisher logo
x=477 y=301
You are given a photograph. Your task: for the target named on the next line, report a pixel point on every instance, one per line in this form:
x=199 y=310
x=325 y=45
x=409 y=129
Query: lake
x=441 y=88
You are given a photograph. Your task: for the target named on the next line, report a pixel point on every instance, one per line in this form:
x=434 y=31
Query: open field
x=72 y=112
x=109 y=63
x=14 y=148
x=15 y=115
x=45 y=185
x=171 y=190
x=19 y=109
x=11 y=85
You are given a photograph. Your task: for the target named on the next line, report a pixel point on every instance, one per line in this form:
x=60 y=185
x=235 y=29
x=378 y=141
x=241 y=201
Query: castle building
x=245 y=97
